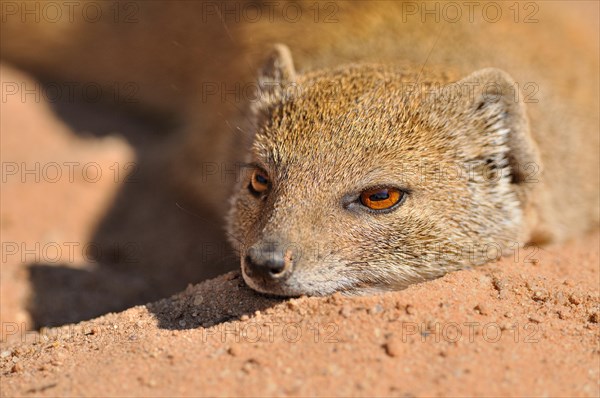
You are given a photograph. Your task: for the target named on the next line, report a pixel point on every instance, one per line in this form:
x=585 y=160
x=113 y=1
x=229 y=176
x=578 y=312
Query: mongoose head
x=360 y=181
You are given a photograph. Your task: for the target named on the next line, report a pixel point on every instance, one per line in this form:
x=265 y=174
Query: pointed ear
x=490 y=101
x=278 y=70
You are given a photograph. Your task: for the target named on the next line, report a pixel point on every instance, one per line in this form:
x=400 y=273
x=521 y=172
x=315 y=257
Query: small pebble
x=535 y=319
x=482 y=309
x=538 y=295
x=498 y=283
x=234 y=351
x=393 y=347
x=198 y=300
x=91 y=332
x=249 y=365
x=574 y=299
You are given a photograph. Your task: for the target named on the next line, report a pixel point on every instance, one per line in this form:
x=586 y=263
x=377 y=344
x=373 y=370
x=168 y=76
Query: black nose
x=268 y=261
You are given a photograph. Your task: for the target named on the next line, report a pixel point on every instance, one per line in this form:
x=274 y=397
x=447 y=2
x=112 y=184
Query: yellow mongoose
x=384 y=143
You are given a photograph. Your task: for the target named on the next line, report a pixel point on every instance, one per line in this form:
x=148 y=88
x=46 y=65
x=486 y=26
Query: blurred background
x=90 y=222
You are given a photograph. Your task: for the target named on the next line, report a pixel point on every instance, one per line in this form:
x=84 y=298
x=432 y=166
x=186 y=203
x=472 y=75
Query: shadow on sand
x=152 y=246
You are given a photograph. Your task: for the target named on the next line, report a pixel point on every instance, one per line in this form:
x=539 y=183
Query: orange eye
x=259 y=182
x=381 y=198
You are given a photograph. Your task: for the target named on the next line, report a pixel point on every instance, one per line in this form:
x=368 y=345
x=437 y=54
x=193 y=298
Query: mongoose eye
x=259 y=182
x=381 y=198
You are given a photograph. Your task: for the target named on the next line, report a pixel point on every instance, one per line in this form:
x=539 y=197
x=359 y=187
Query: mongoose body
x=386 y=147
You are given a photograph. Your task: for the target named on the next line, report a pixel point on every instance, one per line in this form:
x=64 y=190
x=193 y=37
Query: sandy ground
x=79 y=245
x=505 y=329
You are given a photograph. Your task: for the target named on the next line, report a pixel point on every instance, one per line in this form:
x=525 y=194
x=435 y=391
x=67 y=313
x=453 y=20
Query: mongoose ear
x=490 y=99
x=278 y=70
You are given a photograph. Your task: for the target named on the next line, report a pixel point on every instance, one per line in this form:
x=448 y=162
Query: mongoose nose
x=268 y=261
